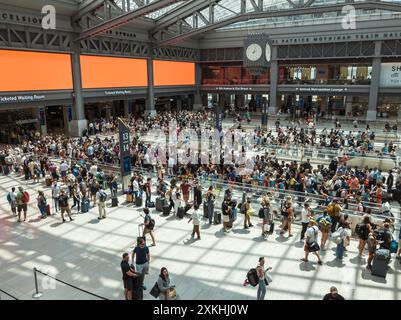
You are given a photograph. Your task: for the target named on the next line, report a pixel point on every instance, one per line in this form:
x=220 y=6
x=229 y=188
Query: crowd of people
x=77 y=170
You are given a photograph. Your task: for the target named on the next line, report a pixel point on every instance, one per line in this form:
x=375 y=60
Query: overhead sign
x=390 y=75
x=117 y=92
x=22 y=98
x=320 y=89
x=125 y=155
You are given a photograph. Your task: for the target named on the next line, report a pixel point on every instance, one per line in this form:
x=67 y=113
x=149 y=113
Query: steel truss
x=17 y=36
x=174 y=28
x=175 y=53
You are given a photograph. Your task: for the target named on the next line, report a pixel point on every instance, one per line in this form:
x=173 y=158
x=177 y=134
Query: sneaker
x=71 y=219
x=99 y=218
x=304 y=260
x=319 y=263
x=63 y=220
x=369 y=267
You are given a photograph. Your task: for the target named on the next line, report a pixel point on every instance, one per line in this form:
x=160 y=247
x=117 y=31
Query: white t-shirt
x=135 y=185
x=64 y=166
x=305 y=217
x=195 y=215
x=55 y=191
x=93 y=170
x=312 y=234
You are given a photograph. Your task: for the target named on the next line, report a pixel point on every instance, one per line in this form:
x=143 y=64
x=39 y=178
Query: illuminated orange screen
x=34 y=71
x=173 y=73
x=110 y=72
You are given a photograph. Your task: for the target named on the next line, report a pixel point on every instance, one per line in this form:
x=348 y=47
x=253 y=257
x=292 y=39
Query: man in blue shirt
x=142 y=260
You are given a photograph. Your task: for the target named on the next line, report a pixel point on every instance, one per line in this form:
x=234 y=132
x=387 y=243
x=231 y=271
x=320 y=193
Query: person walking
x=149 y=225
x=148 y=192
x=260 y=271
x=226 y=211
x=42 y=202
x=363 y=234
x=248 y=213
x=324 y=223
x=195 y=218
x=344 y=233
x=305 y=219
x=311 y=242
x=101 y=197
x=12 y=201
x=166 y=286
x=372 y=246
x=76 y=196
x=64 y=205
x=142 y=255
x=22 y=201
x=55 y=195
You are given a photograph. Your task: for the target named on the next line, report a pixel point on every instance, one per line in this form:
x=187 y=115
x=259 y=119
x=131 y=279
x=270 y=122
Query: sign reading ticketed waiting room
x=390 y=74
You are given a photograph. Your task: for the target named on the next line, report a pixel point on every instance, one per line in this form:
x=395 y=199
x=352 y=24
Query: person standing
x=55 y=196
x=195 y=218
x=372 y=246
x=210 y=198
x=305 y=219
x=399 y=245
x=325 y=223
x=141 y=252
x=311 y=242
x=260 y=271
x=148 y=192
x=41 y=199
x=149 y=225
x=128 y=275
x=12 y=201
x=226 y=211
x=22 y=202
x=101 y=198
x=363 y=234
x=345 y=235
x=185 y=189
x=64 y=205
x=248 y=213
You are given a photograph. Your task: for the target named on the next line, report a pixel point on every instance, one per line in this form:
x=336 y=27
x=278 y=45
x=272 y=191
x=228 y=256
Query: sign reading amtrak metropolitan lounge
x=22 y=98
x=390 y=75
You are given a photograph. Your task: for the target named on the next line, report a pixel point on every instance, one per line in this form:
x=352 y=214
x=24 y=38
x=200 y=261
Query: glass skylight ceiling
x=156 y=14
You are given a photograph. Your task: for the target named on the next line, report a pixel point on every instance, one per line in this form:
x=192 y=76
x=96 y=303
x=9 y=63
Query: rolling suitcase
x=6 y=170
x=48 y=181
x=180 y=212
x=216 y=217
x=160 y=202
x=114 y=202
x=380 y=262
x=84 y=205
x=140 y=235
x=138 y=201
x=205 y=210
x=48 y=211
x=166 y=210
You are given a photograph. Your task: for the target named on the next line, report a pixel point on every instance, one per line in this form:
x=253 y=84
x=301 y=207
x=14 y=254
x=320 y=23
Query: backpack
x=261 y=213
x=9 y=197
x=361 y=230
x=25 y=197
x=151 y=224
x=102 y=196
x=252 y=277
x=324 y=224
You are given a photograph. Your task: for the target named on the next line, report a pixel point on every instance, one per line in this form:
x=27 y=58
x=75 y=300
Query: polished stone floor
x=87 y=253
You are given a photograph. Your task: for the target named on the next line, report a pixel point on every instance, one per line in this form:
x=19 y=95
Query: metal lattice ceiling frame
x=112 y=15
x=174 y=28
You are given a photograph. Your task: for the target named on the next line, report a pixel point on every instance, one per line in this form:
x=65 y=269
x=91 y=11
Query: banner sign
x=125 y=155
x=390 y=75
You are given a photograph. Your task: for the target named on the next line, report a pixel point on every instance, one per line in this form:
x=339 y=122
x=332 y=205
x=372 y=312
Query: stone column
x=273 y=81
x=374 y=84
x=78 y=123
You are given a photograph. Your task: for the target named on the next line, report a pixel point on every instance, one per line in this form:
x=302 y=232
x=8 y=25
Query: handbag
x=171 y=294
x=155 y=291
x=268 y=278
x=313 y=247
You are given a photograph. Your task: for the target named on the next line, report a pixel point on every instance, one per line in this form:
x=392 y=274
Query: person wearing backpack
x=149 y=224
x=64 y=205
x=101 y=197
x=362 y=231
x=22 y=202
x=311 y=242
x=42 y=202
x=12 y=201
x=344 y=234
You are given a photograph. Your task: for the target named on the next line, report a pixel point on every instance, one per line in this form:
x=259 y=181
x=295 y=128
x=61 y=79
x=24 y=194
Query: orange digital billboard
x=112 y=72
x=173 y=73
x=34 y=71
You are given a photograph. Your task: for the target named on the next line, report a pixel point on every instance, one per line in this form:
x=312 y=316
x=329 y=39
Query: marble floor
x=87 y=253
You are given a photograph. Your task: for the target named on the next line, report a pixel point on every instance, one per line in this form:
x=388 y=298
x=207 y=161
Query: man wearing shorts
x=64 y=205
x=128 y=274
x=21 y=204
x=142 y=255
x=12 y=197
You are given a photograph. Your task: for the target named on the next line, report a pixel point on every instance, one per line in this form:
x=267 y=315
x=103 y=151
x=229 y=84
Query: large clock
x=254 y=52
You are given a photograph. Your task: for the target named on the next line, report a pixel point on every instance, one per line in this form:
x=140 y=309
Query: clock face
x=268 y=52
x=254 y=52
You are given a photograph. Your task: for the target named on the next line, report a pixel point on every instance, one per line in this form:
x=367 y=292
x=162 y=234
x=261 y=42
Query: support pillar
x=127 y=108
x=273 y=82
x=374 y=84
x=65 y=120
x=150 y=101
x=348 y=107
x=40 y=114
x=78 y=123
x=179 y=103
x=198 y=106
x=108 y=112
